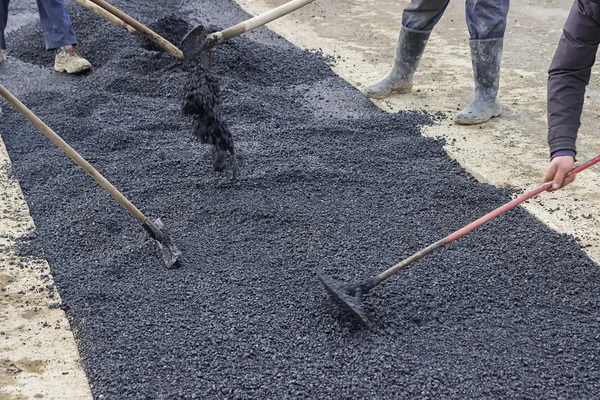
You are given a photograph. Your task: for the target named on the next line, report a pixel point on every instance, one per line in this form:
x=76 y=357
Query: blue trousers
x=56 y=24
x=486 y=19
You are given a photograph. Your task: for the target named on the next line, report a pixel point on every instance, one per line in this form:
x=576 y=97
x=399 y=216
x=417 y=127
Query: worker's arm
x=569 y=74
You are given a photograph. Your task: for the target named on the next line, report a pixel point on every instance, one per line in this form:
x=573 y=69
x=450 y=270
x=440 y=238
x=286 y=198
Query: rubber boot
x=411 y=44
x=486 y=56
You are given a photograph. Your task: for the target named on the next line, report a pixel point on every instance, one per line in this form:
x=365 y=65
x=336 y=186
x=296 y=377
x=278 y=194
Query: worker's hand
x=556 y=171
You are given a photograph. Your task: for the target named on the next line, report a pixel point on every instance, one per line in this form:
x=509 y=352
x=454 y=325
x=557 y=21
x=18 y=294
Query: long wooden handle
x=477 y=223
x=143 y=29
x=103 y=13
x=64 y=146
x=259 y=20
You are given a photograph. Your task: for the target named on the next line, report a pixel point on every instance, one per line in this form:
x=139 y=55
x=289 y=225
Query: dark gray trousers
x=486 y=19
x=56 y=24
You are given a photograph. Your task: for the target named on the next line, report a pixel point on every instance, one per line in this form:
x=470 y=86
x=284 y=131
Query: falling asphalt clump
x=329 y=183
x=202 y=102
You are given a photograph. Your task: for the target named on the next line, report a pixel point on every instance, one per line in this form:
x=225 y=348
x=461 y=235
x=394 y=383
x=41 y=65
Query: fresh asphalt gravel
x=326 y=181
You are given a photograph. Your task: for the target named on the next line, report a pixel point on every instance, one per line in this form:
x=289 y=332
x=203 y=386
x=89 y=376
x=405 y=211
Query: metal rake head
x=348 y=296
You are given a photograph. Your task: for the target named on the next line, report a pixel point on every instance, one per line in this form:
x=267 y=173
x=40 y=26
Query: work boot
x=68 y=60
x=486 y=56
x=411 y=44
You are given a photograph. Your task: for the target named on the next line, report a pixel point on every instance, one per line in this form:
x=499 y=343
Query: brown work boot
x=68 y=60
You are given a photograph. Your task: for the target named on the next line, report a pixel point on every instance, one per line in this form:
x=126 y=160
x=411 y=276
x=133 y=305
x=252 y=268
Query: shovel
x=349 y=296
x=198 y=40
x=170 y=253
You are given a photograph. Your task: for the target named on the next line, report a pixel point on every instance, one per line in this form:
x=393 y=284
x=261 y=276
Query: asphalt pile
x=329 y=182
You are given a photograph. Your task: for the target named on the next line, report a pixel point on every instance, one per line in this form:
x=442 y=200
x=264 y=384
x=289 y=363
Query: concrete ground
x=38 y=355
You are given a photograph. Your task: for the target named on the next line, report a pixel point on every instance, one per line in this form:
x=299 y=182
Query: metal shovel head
x=194 y=44
x=170 y=252
x=347 y=296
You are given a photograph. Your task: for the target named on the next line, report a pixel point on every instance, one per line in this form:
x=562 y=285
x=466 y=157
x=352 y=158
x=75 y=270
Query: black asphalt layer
x=328 y=182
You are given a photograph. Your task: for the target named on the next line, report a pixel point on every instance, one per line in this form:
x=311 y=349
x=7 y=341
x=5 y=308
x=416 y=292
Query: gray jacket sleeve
x=570 y=72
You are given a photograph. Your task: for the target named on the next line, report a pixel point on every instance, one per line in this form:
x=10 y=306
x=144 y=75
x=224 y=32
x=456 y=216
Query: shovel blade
x=170 y=253
x=194 y=44
x=347 y=296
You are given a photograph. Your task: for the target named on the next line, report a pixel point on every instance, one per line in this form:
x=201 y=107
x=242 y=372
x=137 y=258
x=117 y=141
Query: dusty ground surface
x=510 y=151
x=510 y=311
x=38 y=353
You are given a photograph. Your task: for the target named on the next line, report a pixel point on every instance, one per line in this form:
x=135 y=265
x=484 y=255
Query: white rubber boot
x=410 y=48
x=486 y=56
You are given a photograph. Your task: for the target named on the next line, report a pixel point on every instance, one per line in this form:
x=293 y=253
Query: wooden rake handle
x=259 y=20
x=143 y=29
x=64 y=146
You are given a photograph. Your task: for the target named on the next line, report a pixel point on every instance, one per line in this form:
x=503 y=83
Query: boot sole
x=476 y=121
x=380 y=96
x=72 y=71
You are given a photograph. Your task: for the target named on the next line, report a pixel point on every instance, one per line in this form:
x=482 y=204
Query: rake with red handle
x=350 y=295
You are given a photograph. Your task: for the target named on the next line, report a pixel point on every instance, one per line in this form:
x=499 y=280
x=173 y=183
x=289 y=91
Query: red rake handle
x=476 y=224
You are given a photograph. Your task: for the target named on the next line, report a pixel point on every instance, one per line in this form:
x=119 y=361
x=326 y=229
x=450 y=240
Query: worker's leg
x=423 y=15
x=56 y=24
x=3 y=20
x=59 y=35
x=418 y=19
x=486 y=20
